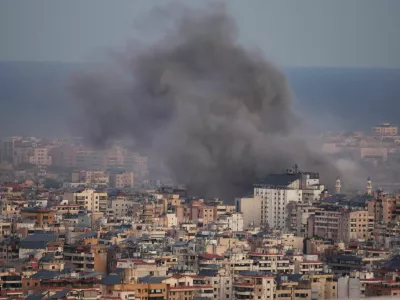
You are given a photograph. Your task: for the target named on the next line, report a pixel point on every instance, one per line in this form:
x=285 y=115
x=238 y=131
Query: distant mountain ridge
x=35 y=98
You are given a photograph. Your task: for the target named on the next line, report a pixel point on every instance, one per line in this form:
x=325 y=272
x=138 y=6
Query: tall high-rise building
x=278 y=190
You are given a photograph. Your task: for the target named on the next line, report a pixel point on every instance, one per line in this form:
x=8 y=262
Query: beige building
x=356 y=225
x=40 y=156
x=90 y=177
x=254 y=287
x=374 y=152
x=122 y=180
x=119 y=207
x=135 y=269
x=290 y=241
x=5 y=229
x=251 y=210
x=382 y=208
x=291 y=290
x=323 y=286
x=170 y=220
x=325 y=224
x=385 y=129
x=93 y=260
x=90 y=199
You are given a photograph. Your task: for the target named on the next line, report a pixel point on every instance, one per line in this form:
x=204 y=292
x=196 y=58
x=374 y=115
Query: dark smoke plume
x=218 y=114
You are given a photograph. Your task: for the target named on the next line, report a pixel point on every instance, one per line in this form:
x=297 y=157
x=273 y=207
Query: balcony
x=244 y=293
x=243 y=285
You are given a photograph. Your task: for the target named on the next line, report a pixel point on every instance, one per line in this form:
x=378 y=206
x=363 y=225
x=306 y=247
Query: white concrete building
x=172 y=220
x=235 y=222
x=349 y=288
x=232 y=221
x=278 y=190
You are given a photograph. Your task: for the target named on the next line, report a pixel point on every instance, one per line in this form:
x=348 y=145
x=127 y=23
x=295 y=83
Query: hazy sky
x=291 y=32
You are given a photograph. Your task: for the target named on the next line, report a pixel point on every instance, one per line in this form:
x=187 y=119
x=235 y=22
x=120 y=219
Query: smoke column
x=218 y=114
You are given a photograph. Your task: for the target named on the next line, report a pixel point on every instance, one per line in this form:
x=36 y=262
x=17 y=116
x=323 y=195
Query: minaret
x=369 y=186
x=338 y=186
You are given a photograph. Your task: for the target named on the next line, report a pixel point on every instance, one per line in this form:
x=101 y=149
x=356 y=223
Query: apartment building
x=323 y=286
x=309 y=265
x=6 y=229
x=189 y=292
x=272 y=261
x=203 y=214
x=385 y=129
x=231 y=221
x=250 y=207
x=253 y=285
x=356 y=225
x=92 y=200
x=40 y=215
x=21 y=155
x=382 y=208
x=40 y=156
x=290 y=287
x=92 y=258
x=64 y=156
x=90 y=177
x=136 y=268
x=325 y=224
x=298 y=214
x=119 y=207
x=66 y=209
x=122 y=180
x=278 y=190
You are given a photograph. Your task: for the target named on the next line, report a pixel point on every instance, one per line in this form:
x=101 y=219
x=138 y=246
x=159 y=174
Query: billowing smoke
x=218 y=114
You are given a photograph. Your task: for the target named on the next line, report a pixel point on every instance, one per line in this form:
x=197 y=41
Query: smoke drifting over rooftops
x=218 y=114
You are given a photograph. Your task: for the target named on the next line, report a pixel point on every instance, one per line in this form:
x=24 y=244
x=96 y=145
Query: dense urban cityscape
x=81 y=223
x=199 y=150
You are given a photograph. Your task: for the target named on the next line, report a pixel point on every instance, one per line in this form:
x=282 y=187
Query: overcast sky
x=363 y=33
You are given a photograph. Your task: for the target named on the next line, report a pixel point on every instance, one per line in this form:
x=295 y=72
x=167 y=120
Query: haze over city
x=199 y=149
